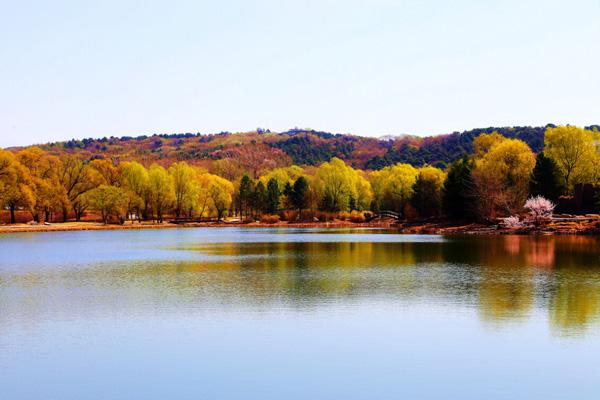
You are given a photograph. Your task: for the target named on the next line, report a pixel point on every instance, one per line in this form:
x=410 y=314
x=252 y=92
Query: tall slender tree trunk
x=12 y=214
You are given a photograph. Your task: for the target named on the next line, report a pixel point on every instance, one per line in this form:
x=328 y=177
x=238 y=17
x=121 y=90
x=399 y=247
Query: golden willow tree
x=575 y=151
x=502 y=172
x=134 y=181
x=50 y=195
x=341 y=187
x=16 y=185
x=220 y=191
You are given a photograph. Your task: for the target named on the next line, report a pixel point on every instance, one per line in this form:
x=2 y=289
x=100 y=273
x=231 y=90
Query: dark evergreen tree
x=245 y=195
x=259 y=198
x=457 y=193
x=272 y=196
x=426 y=198
x=545 y=179
x=298 y=196
x=288 y=189
x=328 y=203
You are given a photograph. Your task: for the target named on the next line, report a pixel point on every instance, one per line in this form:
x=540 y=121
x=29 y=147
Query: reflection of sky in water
x=251 y=313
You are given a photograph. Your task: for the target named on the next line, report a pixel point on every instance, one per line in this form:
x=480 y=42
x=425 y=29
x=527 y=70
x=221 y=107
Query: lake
x=298 y=314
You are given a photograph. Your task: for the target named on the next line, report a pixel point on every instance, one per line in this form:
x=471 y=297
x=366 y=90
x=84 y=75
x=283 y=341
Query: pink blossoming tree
x=539 y=208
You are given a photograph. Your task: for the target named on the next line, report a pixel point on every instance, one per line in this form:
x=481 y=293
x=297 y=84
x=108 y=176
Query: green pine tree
x=457 y=197
x=245 y=195
x=545 y=179
x=272 y=196
x=426 y=198
x=299 y=194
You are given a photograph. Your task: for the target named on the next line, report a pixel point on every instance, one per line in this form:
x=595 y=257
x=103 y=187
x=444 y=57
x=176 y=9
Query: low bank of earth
x=437 y=228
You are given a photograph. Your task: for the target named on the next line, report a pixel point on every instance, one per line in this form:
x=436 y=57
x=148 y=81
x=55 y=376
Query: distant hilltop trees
x=299 y=146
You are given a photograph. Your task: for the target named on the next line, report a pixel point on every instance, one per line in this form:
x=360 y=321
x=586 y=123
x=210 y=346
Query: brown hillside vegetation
x=262 y=149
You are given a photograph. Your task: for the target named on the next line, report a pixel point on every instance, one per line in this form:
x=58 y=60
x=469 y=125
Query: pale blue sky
x=74 y=69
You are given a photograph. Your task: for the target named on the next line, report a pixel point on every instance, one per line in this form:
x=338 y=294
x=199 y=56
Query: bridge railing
x=386 y=214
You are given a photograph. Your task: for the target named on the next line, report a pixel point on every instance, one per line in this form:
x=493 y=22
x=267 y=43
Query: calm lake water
x=298 y=314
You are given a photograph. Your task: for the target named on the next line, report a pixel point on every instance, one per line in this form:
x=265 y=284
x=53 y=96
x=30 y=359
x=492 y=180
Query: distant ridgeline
x=444 y=149
x=298 y=146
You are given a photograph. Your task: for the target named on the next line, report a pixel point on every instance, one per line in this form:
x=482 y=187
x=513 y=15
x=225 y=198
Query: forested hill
x=298 y=146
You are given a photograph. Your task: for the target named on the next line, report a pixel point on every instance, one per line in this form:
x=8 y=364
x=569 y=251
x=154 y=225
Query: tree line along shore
x=503 y=184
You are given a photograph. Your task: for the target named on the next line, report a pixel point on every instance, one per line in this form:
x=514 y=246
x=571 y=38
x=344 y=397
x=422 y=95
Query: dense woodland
x=301 y=175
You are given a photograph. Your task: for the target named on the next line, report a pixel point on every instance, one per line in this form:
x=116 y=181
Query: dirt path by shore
x=77 y=226
x=86 y=226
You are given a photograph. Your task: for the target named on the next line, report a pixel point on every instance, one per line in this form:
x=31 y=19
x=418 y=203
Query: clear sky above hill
x=74 y=69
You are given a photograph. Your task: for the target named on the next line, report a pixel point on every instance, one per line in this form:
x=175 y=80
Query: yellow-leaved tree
x=160 y=187
x=77 y=178
x=50 y=195
x=16 y=186
x=283 y=176
x=341 y=187
x=393 y=186
x=185 y=187
x=574 y=151
x=134 y=181
x=221 y=192
x=109 y=201
x=501 y=176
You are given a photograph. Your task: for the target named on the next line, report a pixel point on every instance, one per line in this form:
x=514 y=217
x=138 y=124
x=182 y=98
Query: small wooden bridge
x=386 y=214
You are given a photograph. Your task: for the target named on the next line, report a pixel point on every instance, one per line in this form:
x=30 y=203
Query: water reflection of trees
x=576 y=299
x=505 y=277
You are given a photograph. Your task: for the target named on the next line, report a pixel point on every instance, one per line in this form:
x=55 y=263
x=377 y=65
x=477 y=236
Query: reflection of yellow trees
x=293 y=268
x=507 y=279
x=508 y=287
x=575 y=302
x=500 y=275
x=283 y=255
x=506 y=293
